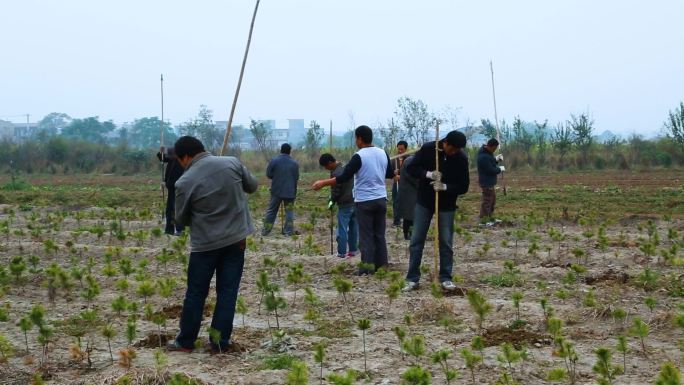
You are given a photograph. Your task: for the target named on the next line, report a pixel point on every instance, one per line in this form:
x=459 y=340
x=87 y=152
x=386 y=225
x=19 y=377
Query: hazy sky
x=317 y=59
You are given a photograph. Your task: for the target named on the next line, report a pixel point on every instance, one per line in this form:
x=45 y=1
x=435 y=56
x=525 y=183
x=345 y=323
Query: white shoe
x=448 y=285
x=409 y=286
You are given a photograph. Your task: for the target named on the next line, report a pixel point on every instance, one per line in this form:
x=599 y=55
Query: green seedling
x=441 y=357
x=343 y=287
x=108 y=332
x=400 y=333
x=241 y=308
x=319 y=358
x=557 y=375
x=415 y=347
x=479 y=305
x=623 y=347
x=669 y=375
x=509 y=355
x=640 y=329
x=471 y=362
x=298 y=374
x=478 y=343
x=363 y=325
x=516 y=297
x=348 y=379
x=416 y=375
x=604 y=368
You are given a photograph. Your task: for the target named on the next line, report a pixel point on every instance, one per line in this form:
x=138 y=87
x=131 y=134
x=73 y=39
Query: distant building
x=243 y=138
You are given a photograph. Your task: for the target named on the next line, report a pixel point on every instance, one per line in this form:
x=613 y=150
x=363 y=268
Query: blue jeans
x=272 y=213
x=347 y=230
x=227 y=262
x=421 y=223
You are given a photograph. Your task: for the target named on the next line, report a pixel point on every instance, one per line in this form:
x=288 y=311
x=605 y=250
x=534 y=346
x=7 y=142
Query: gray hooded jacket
x=211 y=200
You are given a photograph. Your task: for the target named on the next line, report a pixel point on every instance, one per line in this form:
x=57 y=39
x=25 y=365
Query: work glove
x=499 y=158
x=434 y=175
x=502 y=168
x=438 y=186
x=330 y=205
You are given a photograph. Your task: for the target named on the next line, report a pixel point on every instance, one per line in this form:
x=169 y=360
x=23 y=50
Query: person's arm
x=350 y=169
x=416 y=168
x=408 y=178
x=389 y=173
x=269 y=169
x=462 y=177
x=486 y=166
x=249 y=182
x=182 y=202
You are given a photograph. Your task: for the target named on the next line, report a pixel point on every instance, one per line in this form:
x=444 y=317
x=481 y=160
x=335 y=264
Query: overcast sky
x=622 y=61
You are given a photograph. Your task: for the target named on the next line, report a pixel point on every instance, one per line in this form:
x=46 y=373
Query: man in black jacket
x=487 y=170
x=342 y=196
x=172 y=172
x=449 y=182
x=283 y=171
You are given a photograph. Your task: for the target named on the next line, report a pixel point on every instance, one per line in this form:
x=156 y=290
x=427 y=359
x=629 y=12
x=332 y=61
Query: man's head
x=364 y=136
x=402 y=146
x=327 y=161
x=492 y=145
x=285 y=149
x=454 y=141
x=186 y=148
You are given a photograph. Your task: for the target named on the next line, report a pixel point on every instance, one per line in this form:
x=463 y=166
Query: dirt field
x=603 y=250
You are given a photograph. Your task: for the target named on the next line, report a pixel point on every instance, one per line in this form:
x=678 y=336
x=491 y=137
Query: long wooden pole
x=229 y=125
x=161 y=144
x=436 y=222
x=496 y=121
x=332 y=221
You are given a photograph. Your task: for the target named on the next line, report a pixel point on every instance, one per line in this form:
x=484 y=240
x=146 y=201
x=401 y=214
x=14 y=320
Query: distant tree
x=262 y=137
x=582 y=127
x=415 y=118
x=675 y=124
x=203 y=128
x=523 y=139
x=145 y=133
x=540 y=136
x=88 y=129
x=50 y=125
x=390 y=135
x=313 y=138
x=562 y=140
x=488 y=129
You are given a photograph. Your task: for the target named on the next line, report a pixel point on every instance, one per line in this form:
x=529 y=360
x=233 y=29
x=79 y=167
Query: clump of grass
x=509 y=277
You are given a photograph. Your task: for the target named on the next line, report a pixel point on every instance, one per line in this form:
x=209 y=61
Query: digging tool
x=435 y=274
x=161 y=158
x=496 y=121
x=229 y=125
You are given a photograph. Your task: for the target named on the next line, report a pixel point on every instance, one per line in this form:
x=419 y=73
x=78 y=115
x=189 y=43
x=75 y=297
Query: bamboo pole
x=496 y=121
x=161 y=144
x=229 y=125
x=332 y=220
x=436 y=222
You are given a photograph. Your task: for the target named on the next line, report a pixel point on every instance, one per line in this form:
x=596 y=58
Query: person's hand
x=330 y=205
x=163 y=185
x=434 y=175
x=396 y=172
x=499 y=158
x=502 y=168
x=319 y=184
x=438 y=186
x=397 y=178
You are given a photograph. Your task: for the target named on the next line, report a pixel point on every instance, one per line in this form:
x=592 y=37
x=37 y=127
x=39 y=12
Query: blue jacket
x=284 y=174
x=487 y=168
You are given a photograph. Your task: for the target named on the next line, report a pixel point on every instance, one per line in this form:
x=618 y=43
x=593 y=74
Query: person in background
x=487 y=170
x=172 y=172
x=211 y=198
x=283 y=171
x=451 y=180
x=408 y=190
x=396 y=164
x=342 y=196
x=369 y=167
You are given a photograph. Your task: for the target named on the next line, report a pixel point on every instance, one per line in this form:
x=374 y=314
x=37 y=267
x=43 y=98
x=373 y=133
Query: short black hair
x=493 y=142
x=187 y=145
x=285 y=149
x=325 y=159
x=456 y=139
x=402 y=143
x=364 y=133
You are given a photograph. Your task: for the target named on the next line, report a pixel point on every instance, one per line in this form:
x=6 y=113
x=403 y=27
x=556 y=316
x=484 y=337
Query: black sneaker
x=174 y=346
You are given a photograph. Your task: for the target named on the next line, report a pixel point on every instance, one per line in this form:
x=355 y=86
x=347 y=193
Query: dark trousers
x=227 y=262
x=370 y=216
x=171 y=226
x=407 y=226
x=396 y=219
x=272 y=214
x=488 y=203
x=421 y=224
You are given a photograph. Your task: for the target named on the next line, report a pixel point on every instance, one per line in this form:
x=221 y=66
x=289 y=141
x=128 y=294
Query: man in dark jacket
x=487 y=170
x=342 y=196
x=408 y=189
x=211 y=198
x=402 y=145
x=449 y=182
x=172 y=172
x=283 y=171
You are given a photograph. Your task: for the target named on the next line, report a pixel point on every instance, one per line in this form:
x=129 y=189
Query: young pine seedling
x=241 y=308
x=319 y=358
x=669 y=375
x=471 y=362
x=623 y=347
x=415 y=347
x=363 y=325
x=416 y=375
x=479 y=305
x=478 y=343
x=298 y=374
x=343 y=287
x=604 y=367
x=640 y=330
x=441 y=358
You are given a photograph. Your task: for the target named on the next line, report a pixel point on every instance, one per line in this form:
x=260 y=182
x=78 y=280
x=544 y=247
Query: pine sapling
x=479 y=305
x=364 y=324
x=344 y=286
x=640 y=329
x=108 y=332
x=241 y=308
x=471 y=361
x=415 y=347
x=478 y=343
x=319 y=358
x=669 y=375
x=604 y=368
x=298 y=375
x=441 y=358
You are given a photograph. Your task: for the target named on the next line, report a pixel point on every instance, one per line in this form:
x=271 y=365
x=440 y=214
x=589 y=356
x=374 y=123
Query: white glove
x=434 y=175
x=499 y=158
x=502 y=168
x=438 y=186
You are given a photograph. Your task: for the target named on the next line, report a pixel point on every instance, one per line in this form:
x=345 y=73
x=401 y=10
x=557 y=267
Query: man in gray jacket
x=342 y=195
x=283 y=171
x=211 y=200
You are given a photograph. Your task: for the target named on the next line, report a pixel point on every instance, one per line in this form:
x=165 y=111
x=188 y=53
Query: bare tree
x=390 y=135
x=262 y=137
x=415 y=118
x=314 y=137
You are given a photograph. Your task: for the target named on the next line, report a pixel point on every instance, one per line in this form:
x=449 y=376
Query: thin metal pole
x=435 y=274
x=229 y=125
